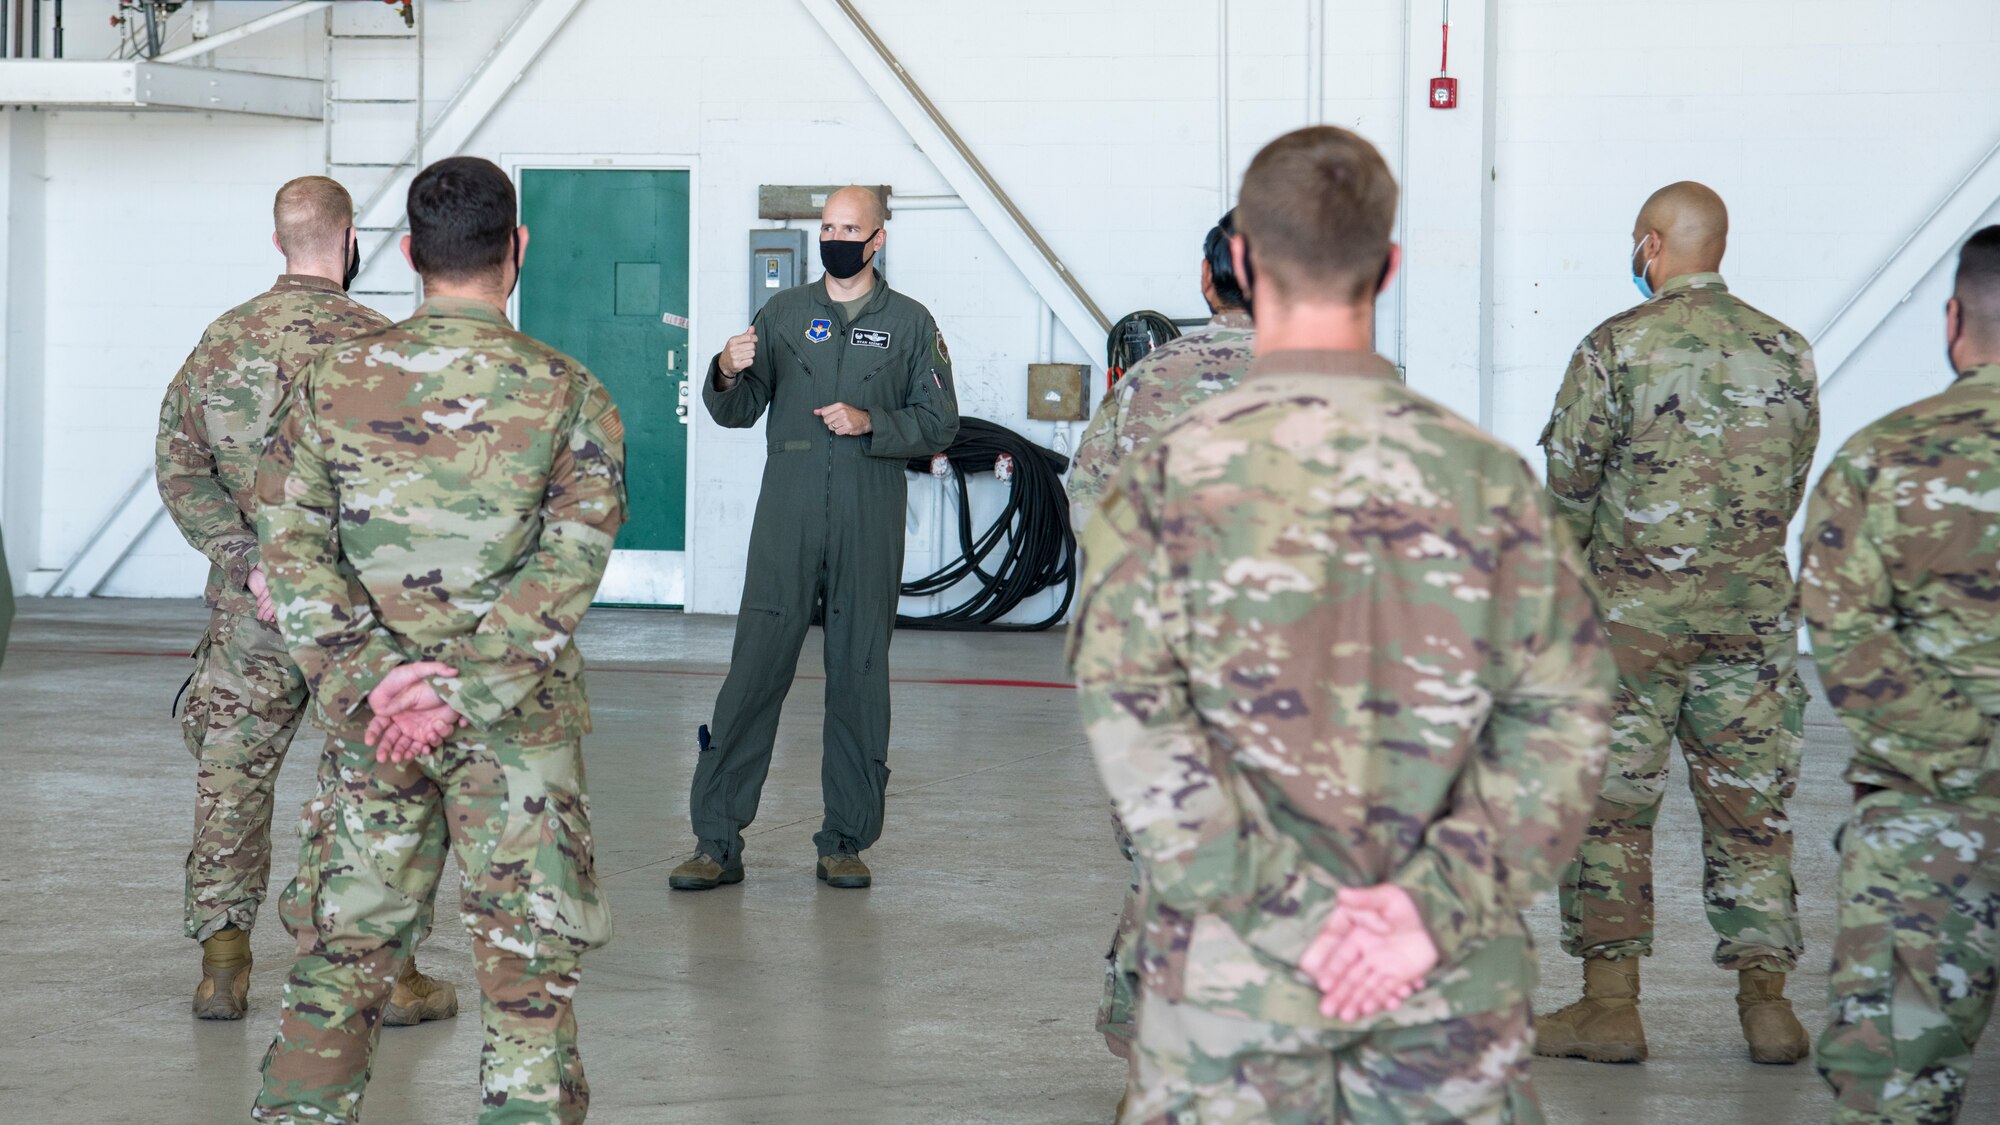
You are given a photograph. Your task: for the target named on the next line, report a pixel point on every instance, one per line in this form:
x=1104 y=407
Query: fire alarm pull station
x=1444 y=88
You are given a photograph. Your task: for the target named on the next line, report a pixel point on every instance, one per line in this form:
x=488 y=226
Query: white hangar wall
x=1831 y=127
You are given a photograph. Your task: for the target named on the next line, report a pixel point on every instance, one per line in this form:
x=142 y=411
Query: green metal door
x=607 y=282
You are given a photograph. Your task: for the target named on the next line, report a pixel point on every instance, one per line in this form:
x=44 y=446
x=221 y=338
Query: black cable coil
x=1031 y=535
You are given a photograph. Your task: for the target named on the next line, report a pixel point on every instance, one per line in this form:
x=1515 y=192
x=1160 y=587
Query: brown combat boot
x=1604 y=1025
x=844 y=870
x=1775 y=1036
x=417 y=998
x=704 y=873
x=224 y=991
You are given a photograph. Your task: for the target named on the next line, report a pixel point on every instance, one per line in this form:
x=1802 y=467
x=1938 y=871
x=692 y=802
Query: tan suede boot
x=1604 y=1025
x=1773 y=1032
x=224 y=991
x=418 y=998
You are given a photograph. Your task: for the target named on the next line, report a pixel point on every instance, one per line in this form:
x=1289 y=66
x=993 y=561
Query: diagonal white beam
x=111 y=542
x=1894 y=280
x=919 y=117
x=242 y=31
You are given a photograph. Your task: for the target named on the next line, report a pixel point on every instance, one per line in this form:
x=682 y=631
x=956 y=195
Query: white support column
x=1447 y=222
x=23 y=272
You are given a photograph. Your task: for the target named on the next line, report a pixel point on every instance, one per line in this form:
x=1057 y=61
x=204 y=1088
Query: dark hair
x=1221 y=267
x=1317 y=206
x=461 y=219
x=1978 y=284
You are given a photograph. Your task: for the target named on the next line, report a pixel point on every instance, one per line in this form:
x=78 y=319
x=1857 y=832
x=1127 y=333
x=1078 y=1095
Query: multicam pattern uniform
x=1332 y=635
x=1901 y=586
x=447 y=489
x=1171 y=380
x=1175 y=376
x=247 y=697
x=1677 y=453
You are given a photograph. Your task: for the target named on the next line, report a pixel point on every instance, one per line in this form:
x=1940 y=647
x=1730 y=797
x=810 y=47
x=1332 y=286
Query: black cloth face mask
x=844 y=259
x=353 y=261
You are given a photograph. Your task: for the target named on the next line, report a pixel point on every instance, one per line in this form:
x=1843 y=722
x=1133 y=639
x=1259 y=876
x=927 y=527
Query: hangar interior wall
x=1831 y=127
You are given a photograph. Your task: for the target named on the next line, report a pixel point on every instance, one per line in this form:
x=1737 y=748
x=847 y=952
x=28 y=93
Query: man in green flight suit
x=858 y=381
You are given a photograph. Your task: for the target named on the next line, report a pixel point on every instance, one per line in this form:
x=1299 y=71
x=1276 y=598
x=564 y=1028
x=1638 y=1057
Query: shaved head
x=855 y=203
x=312 y=214
x=1692 y=223
x=1976 y=291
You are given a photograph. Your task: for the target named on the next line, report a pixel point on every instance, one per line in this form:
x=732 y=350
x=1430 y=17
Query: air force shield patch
x=819 y=331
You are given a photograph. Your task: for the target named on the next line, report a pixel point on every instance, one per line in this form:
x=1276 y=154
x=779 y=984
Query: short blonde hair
x=312 y=214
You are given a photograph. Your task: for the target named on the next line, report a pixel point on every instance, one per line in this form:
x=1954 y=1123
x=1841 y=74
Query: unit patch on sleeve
x=943 y=354
x=820 y=331
x=868 y=338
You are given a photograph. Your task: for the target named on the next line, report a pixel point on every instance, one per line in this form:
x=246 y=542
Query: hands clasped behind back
x=410 y=717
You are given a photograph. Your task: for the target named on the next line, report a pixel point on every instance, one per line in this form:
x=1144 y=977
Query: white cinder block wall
x=1830 y=126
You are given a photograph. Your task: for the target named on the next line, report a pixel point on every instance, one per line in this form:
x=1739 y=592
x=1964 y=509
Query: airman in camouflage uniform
x=1332 y=637
x=445 y=490
x=1901 y=586
x=1678 y=453
x=246 y=697
x=1173 y=378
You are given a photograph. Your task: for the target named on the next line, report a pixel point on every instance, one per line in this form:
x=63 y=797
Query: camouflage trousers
x=1199 y=1066
x=1116 y=1013
x=243 y=706
x=1916 y=959
x=1737 y=706
x=373 y=845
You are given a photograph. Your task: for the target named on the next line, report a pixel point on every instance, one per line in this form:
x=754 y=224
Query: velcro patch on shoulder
x=612 y=425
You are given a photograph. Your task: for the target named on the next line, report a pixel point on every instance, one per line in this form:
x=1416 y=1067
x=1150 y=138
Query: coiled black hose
x=1031 y=536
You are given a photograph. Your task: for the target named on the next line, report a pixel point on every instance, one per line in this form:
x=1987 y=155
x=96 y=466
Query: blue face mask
x=1639 y=271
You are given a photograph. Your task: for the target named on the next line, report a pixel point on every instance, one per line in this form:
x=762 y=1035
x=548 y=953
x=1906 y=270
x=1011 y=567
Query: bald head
x=857 y=207
x=312 y=215
x=1685 y=227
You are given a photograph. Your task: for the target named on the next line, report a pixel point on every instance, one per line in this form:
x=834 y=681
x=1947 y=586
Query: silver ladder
x=368 y=51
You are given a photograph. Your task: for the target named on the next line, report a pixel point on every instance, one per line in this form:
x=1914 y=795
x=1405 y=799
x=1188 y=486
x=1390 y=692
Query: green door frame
x=640 y=577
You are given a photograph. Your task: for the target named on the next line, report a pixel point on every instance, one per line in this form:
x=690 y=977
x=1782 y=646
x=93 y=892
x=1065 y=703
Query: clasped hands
x=410 y=717
x=1371 y=955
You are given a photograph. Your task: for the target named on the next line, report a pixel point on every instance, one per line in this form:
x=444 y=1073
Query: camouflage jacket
x=1332 y=635
x=1901 y=587
x=1159 y=388
x=444 y=489
x=1678 y=454
x=223 y=406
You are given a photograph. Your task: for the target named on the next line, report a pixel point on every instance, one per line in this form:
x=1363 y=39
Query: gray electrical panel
x=777 y=262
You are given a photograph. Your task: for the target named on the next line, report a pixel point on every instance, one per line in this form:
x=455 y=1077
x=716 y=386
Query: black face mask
x=353 y=261
x=517 y=262
x=1250 y=281
x=844 y=259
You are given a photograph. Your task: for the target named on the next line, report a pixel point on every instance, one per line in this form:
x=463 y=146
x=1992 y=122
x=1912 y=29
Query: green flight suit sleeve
x=184 y=469
x=1581 y=431
x=739 y=406
x=927 y=421
x=329 y=624
x=1520 y=809
x=536 y=618
x=1206 y=844
x=1908 y=719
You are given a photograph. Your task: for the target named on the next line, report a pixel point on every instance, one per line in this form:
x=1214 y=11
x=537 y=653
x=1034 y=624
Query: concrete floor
x=960 y=989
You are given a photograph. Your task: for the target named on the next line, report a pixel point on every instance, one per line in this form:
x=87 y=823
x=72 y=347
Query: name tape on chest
x=867 y=338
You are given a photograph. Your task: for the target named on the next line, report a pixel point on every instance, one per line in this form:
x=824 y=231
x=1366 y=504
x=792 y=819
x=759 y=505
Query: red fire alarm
x=1444 y=88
